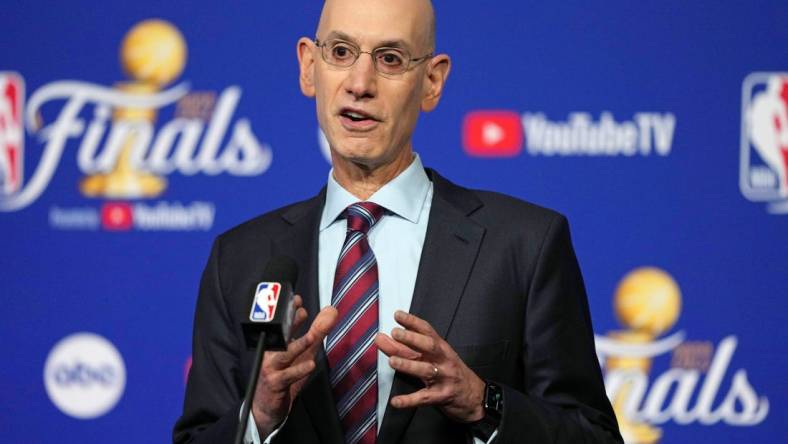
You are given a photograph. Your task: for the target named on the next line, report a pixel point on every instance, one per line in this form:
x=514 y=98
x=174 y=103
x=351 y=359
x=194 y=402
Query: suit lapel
x=300 y=242
x=450 y=249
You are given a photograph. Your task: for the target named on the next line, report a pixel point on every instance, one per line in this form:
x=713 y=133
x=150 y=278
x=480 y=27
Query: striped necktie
x=352 y=354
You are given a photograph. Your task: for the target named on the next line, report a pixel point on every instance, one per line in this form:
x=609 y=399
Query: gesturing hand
x=449 y=384
x=283 y=374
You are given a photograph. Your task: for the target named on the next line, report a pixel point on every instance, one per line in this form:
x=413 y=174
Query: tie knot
x=362 y=216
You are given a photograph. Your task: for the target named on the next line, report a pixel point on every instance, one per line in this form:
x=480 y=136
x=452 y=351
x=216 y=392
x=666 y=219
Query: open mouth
x=356 y=115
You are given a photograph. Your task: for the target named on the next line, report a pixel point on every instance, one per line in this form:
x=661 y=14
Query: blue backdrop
x=658 y=128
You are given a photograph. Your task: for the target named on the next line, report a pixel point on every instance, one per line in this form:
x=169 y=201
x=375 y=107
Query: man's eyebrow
x=395 y=43
x=339 y=35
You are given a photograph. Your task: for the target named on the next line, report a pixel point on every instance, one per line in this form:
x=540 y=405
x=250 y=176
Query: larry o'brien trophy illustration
x=647 y=303
x=153 y=54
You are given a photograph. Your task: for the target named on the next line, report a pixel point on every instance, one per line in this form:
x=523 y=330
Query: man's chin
x=358 y=151
x=362 y=162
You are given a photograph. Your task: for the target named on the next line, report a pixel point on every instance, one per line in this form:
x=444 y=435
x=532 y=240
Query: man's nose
x=362 y=78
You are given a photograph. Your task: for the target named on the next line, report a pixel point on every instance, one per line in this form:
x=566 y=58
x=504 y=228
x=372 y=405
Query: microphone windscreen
x=281 y=269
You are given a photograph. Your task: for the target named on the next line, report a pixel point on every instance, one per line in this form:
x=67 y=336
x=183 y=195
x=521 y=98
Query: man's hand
x=418 y=350
x=283 y=374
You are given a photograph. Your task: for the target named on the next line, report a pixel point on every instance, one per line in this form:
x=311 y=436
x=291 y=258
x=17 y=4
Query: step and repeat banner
x=131 y=134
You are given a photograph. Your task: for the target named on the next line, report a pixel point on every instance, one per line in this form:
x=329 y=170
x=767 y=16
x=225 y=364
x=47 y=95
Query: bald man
x=427 y=312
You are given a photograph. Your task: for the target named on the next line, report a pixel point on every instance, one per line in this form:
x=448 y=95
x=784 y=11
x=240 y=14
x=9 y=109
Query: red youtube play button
x=492 y=134
x=116 y=216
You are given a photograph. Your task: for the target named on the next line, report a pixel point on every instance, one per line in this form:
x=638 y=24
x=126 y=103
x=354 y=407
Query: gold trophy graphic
x=153 y=54
x=647 y=303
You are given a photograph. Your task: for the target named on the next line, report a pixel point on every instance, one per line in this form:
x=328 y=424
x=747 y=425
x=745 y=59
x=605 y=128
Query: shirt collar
x=403 y=196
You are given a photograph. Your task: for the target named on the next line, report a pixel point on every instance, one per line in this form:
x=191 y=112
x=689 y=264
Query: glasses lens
x=339 y=53
x=344 y=54
x=391 y=60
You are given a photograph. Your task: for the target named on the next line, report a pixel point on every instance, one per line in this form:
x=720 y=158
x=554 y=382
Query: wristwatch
x=493 y=412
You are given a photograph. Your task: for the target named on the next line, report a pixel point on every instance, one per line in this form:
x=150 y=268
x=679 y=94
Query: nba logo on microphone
x=763 y=175
x=492 y=134
x=265 y=299
x=12 y=89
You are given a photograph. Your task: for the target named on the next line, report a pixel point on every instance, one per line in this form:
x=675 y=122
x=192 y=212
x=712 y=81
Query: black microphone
x=272 y=305
x=269 y=323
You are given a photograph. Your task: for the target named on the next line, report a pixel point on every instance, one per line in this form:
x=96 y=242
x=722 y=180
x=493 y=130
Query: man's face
x=368 y=118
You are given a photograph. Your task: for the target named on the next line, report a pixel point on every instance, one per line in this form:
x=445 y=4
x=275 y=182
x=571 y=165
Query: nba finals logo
x=124 y=150
x=648 y=303
x=763 y=173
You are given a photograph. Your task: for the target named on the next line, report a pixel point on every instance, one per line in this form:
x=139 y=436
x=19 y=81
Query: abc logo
x=84 y=375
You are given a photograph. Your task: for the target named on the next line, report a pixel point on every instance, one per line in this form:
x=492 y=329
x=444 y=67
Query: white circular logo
x=84 y=375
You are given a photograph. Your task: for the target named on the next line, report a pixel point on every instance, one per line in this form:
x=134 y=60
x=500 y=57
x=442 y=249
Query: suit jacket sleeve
x=212 y=403
x=565 y=400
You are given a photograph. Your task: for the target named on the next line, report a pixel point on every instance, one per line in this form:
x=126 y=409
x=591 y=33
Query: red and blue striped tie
x=352 y=353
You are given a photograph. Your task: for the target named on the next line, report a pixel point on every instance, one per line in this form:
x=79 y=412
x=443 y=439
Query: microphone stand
x=250 y=388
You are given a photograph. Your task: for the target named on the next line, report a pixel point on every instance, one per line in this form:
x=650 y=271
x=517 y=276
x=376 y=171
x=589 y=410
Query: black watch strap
x=493 y=412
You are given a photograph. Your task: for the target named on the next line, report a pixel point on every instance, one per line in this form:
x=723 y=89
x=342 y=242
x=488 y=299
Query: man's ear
x=306 y=64
x=435 y=79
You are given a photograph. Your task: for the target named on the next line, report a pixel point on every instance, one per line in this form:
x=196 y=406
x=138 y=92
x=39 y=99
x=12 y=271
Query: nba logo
x=265 y=299
x=12 y=92
x=763 y=173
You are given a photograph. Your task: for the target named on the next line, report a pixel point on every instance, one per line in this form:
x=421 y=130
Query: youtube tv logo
x=492 y=134
x=116 y=216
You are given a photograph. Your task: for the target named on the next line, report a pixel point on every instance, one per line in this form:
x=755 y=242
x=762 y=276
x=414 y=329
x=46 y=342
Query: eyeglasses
x=387 y=61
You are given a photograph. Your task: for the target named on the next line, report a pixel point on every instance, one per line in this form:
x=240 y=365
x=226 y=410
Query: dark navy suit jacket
x=498 y=279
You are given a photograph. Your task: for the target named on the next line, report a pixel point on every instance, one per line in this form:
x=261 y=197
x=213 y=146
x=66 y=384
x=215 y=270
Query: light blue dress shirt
x=396 y=239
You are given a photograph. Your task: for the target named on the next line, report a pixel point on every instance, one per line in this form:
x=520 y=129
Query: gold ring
x=428 y=382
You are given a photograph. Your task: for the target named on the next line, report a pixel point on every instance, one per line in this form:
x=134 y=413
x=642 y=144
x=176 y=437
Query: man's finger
x=393 y=348
x=298 y=319
x=425 y=396
x=420 y=369
x=281 y=380
x=324 y=322
x=321 y=326
x=280 y=360
x=422 y=343
x=295 y=387
x=415 y=323
x=298 y=302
